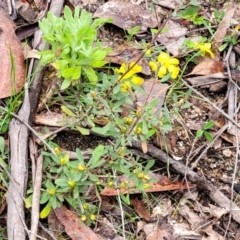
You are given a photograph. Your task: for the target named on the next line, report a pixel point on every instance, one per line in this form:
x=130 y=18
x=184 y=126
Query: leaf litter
x=193 y=215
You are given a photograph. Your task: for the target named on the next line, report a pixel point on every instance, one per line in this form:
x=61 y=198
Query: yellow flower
x=204 y=48
x=145 y=185
x=110 y=184
x=153 y=66
x=81 y=167
x=57 y=150
x=137 y=80
x=64 y=160
x=165 y=64
x=51 y=191
x=148 y=51
x=138 y=131
x=130 y=76
x=71 y=183
x=92 y=217
x=126 y=86
x=84 y=218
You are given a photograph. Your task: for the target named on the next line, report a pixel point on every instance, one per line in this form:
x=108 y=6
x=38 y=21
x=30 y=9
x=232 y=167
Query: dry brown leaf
x=141 y=209
x=12 y=71
x=73 y=227
x=26 y=11
x=54 y=223
x=207 y=67
x=212 y=235
x=153 y=90
x=222 y=30
x=173 y=38
x=191 y=216
x=126 y=15
x=162 y=232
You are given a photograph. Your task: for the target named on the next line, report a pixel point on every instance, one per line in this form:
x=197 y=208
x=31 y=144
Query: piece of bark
x=36 y=198
x=18 y=135
x=217 y=196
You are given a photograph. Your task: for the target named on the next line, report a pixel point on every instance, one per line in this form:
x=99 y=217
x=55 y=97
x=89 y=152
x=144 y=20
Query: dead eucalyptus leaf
x=12 y=60
x=207 y=67
x=73 y=228
x=126 y=15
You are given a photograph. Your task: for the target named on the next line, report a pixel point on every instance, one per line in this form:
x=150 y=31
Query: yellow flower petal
x=148 y=51
x=137 y=80
x=174 y=70
x=163 y=57
x=173 y=61
x=153 y=66
x=210 y=53
x=126 y=86
x=162 y=71
x=123 y=68
x=204 y=48
x=136 y=69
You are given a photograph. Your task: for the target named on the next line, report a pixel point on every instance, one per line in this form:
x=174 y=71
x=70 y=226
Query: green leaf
x=150 y=133
x=66 y=83
x=97 y=153
x=208 y=125
x=189 y=12
x=92 y=177
x=222 y=47
x=102 y=130
x=149 y=165
x=46 y=211
x=90 y=122
x=90 y=73
x=166 y=77
x=61 y=182
x=2 y=144
x=83 y=131
x=79 y=155
x=208 y=136
x=69 y=72
x=68 y=111
x=28 y=201
x=68 y=14
x=199 y=133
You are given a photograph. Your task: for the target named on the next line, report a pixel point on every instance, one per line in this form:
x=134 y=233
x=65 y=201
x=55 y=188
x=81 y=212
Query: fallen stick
x=217 y=196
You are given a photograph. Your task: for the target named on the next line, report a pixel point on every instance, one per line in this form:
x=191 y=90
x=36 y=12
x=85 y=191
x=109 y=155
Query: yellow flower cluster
x=204 y=48
x=165 y=64
x=130 y=76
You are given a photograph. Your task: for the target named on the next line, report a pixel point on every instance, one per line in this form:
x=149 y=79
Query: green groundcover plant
x=75 y=50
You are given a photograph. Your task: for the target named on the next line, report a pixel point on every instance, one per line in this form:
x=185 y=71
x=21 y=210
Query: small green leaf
x=28 y=201
x=79 y=155
x=222 y=47
x=46 y=211
x=208 y=125
x=66 y=83
x=68 y=111
x=149 y=165
x=68 y=72
x=90 y=73
x=97 y=153
x=208 y=136
x=102 y=130
x=83 y=131
x=199 y=133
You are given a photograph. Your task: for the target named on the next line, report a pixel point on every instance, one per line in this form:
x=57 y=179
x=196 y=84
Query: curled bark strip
x=217 y=196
